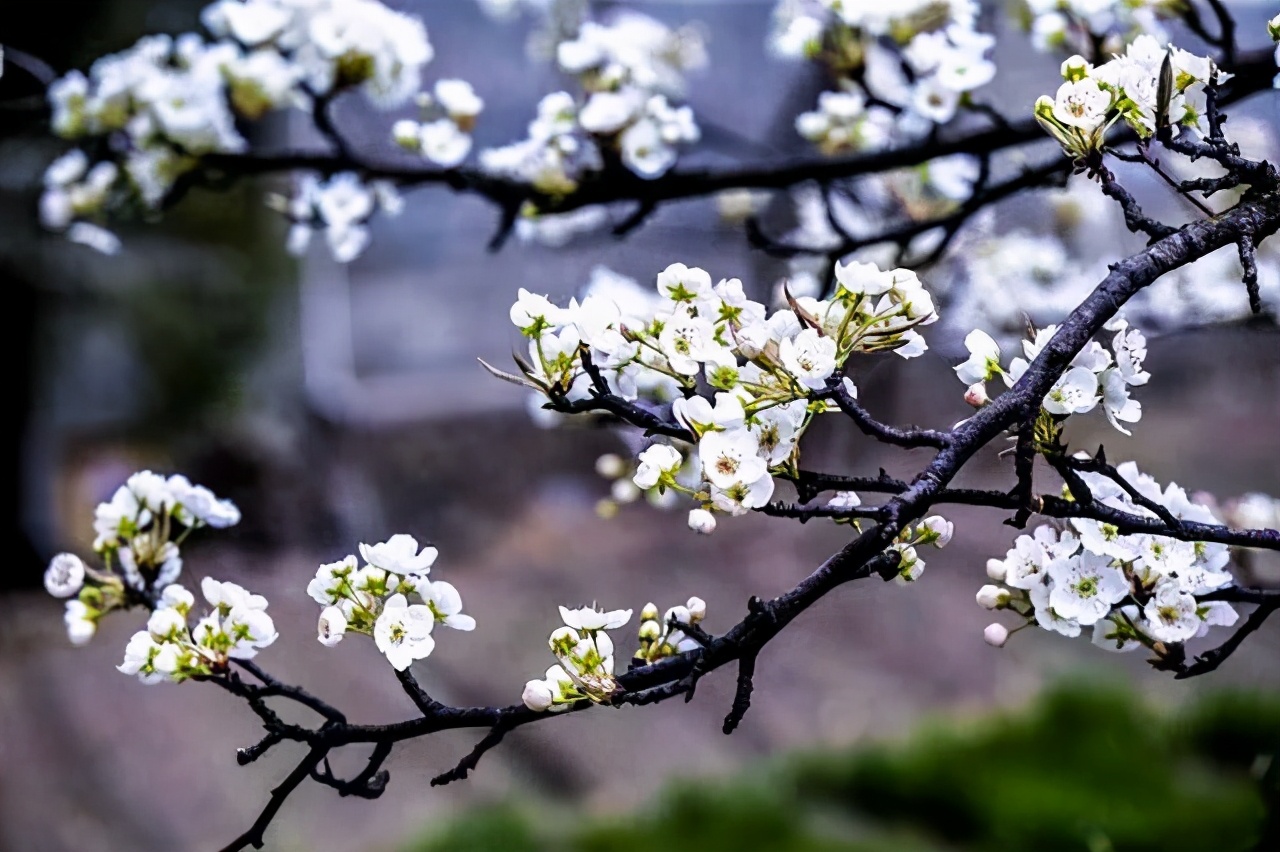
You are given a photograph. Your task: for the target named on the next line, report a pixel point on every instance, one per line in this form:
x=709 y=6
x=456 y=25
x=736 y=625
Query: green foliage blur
x=1083 y=770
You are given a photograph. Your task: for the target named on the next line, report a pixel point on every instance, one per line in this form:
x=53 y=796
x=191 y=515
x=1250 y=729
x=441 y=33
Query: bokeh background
x=338 y=405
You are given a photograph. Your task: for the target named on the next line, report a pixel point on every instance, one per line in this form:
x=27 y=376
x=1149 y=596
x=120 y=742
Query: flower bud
x=650 y=612
x=976 y=395
x=996 y=569
x=1075 y=68
x=538 y=696
x=65 y=575
x=697 y=609
x=939 y=529
x=995 y=635
x=993 y=597
x=701 y=521
x=650 y=631
x=679 y=614
x=331 y=627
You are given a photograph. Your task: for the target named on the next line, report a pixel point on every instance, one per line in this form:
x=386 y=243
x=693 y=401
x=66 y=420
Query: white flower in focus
x=1082 y=104
x=1171 y=614
x=984 y=358
x=326 y=587
x=403 y=632
x=199 y=505
x=1047 y=617
x=589 y=618
x=1117 y=631
x=809 y=357
x=729 y=458
x=656 y=463
x=400 y=555
x=1116 y=402
x=1075 y=393
x=65 y=575
x=1086 y=588
x=445 y=604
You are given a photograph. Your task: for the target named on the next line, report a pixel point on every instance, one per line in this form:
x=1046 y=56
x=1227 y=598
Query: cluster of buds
x=663 y=637
x=585 y=654
x=933 y=531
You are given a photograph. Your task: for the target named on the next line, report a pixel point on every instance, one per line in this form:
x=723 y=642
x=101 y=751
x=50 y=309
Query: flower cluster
x=1133 y=590
x=901 y=68
x=236 y=628
x=1273 y=30
x=659 y=639
x=1095 y=376
x=1128 y=88
x=375 y=600
x=165 y=103
x=933 y=531
x=1080 y=26
x=762 y=372
x=341 y=206
x=585 y=654
x=138 y=534
x=443 y=135
x=629 y=68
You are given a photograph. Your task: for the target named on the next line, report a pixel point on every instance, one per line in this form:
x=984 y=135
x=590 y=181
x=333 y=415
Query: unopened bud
x=1075 y=68
x=993 y=597
x=976 y=395
x=650 y=612
x=650 y=631
x=996 y=635
x=996 y=569
x=678 y=614
x=697 y=609
x=538 y=695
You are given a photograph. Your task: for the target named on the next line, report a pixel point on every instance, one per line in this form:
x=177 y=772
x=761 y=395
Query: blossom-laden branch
x=168 y=114
x=728 y=391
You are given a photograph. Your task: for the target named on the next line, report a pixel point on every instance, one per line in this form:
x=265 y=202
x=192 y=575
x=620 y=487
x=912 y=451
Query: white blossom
x=403 y=632
x=400 y=555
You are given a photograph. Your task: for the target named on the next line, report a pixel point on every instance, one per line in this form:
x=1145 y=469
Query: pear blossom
x=984 y=358
x=995 y=635
x=809 y=357
x=658 y=462
x=403 y=632
x=400 y=555
x=1171 y=614
x=590 y=618
x=445 y=604
x=1075 y=393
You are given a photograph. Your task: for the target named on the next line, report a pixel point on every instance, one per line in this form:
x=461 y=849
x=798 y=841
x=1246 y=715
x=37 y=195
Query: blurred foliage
x=1083 y=770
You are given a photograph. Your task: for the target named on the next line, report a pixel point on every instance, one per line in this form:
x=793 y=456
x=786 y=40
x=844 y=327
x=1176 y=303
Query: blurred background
x=343 y=404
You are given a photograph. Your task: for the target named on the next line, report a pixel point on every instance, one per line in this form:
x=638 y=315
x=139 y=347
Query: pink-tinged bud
x=996 y=635
x=976 y=395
